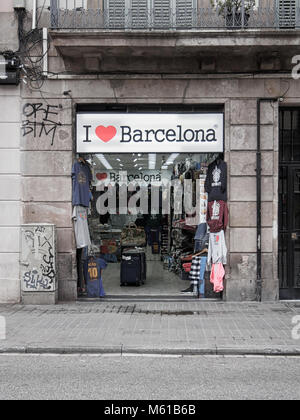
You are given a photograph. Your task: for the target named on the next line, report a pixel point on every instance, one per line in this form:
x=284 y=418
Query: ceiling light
x=152 y=160
x=104 y=161
x=171 y=159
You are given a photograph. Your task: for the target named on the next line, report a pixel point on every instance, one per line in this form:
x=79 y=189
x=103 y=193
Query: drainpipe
x=45 y=52
x=33 y=14
x=258 y=198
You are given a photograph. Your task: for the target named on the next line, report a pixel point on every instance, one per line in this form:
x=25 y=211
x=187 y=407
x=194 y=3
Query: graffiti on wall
x=40 y=119
x=38 y=252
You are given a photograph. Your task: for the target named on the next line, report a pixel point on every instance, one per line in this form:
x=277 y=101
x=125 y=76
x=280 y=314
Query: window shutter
x=162 y=14
x=115 y=13
x=139 y=14
x=287 y=13
x=184 y=13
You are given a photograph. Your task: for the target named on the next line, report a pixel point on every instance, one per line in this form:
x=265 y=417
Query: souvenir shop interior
x=150 y=224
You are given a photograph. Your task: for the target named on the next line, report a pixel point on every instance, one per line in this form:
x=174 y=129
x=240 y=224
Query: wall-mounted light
x=9 y=69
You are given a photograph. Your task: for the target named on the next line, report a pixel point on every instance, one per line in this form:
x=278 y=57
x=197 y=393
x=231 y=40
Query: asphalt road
x=146 y=377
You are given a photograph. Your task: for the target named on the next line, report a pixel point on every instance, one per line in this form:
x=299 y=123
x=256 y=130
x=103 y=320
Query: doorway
x=148 y=208
x=289 y=204
x=153 y=219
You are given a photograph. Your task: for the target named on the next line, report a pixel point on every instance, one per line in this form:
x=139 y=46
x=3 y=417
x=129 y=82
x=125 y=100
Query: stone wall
x=46 y=150
x=243 y=140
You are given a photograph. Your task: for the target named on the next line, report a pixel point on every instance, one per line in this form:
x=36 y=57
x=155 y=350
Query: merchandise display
x=163 y=241
x=217 y=220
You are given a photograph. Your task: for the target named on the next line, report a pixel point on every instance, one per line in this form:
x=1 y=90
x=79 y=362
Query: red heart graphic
x=101 y=176
x=106 y=133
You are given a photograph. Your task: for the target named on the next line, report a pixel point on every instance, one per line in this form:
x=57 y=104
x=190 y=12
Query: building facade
x=118 y=55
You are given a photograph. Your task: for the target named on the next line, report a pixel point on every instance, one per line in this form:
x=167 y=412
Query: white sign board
x=149 y=133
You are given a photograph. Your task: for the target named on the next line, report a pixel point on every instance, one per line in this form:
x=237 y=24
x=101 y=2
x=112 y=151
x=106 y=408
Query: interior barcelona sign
x=149 y=132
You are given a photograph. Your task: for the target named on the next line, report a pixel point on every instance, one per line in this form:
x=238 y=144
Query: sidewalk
x=191 y=327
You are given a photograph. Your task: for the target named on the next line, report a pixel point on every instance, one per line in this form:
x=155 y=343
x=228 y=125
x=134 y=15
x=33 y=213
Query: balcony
x=97 y=36
x=171 y=15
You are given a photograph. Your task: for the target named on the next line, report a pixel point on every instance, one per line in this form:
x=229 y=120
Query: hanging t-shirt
x=81 y=179
x=82 y=234
x=217 y=276
x=93 y=273
x=217 y=215
x=217 y=250
x=216 y=181
x=203 y=200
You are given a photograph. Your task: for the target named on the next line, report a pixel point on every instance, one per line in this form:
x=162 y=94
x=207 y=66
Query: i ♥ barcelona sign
x=149 y=132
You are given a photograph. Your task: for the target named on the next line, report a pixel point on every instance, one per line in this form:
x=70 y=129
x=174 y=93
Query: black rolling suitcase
x=131 y=269
x=144 y=266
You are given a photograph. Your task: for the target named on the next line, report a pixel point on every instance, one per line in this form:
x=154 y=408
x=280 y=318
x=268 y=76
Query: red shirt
x=217 y=215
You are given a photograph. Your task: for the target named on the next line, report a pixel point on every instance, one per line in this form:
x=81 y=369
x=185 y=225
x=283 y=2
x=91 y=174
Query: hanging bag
x=133 y=235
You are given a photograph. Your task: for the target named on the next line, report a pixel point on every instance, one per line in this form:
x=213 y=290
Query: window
x=158 y=14
x=287 y=13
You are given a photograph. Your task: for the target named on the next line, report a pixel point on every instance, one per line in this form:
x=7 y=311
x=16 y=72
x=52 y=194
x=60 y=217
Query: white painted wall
x=10 y=193
x=6 y=5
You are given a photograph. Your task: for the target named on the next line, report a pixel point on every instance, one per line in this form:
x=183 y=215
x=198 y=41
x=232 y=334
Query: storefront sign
x=146 y=176
x=148 y=133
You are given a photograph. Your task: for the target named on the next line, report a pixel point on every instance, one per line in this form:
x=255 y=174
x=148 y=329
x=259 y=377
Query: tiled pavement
x=192 y=327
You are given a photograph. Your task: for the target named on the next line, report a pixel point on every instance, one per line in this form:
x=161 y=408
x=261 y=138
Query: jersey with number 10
x=93 y=270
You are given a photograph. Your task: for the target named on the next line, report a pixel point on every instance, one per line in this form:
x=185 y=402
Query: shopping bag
x=132 y=234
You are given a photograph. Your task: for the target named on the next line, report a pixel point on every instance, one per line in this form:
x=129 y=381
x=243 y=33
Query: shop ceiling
x=141 y=162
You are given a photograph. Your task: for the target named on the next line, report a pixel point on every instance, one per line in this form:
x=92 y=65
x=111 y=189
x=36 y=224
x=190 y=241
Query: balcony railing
x=113 y=15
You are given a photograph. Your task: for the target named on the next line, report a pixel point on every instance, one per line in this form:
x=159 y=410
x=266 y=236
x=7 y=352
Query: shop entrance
x=147 y=203
x=289 y=204
x=147 y=231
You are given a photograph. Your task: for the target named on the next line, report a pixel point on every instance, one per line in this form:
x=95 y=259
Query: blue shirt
x=81 y=178
x=93 y=270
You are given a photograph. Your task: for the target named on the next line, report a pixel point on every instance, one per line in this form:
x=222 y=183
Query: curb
x=123 y=351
